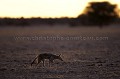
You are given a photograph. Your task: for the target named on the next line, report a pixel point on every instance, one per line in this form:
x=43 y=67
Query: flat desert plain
x=88 y=52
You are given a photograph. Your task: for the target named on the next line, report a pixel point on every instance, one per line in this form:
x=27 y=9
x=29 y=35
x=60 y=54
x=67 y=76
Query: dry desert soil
x=90 y=57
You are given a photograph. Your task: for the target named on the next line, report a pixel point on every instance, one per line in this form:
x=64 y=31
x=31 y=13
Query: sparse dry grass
x=83 y=59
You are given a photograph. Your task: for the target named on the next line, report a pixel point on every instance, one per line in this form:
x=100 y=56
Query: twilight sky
x=45 y=8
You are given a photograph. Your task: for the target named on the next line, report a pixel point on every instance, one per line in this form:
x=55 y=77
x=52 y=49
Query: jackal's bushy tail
x=34 y=60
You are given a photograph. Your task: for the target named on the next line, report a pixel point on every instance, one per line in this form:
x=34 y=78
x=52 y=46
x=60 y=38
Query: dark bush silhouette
x=22 y=22
x=101 y=13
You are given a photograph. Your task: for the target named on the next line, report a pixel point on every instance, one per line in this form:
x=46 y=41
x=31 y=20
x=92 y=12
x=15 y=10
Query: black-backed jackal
x=42 y=57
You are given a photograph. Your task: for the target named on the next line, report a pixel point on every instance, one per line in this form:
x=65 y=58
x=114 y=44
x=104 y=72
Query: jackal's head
x=59 y=57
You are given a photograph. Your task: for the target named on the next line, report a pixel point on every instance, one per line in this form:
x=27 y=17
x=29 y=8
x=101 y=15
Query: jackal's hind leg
x=38 y=61
x=43 y=63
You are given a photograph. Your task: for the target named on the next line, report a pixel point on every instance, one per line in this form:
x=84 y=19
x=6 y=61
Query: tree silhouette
x=101 y=13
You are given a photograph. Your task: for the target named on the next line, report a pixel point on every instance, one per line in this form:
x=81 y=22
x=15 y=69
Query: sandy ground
x=83 y=58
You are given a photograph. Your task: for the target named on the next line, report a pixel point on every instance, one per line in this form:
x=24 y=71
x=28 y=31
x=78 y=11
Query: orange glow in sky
x=45 y=8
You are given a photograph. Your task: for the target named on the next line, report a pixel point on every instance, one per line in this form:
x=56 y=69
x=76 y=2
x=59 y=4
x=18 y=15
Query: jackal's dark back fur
x=50 y=57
